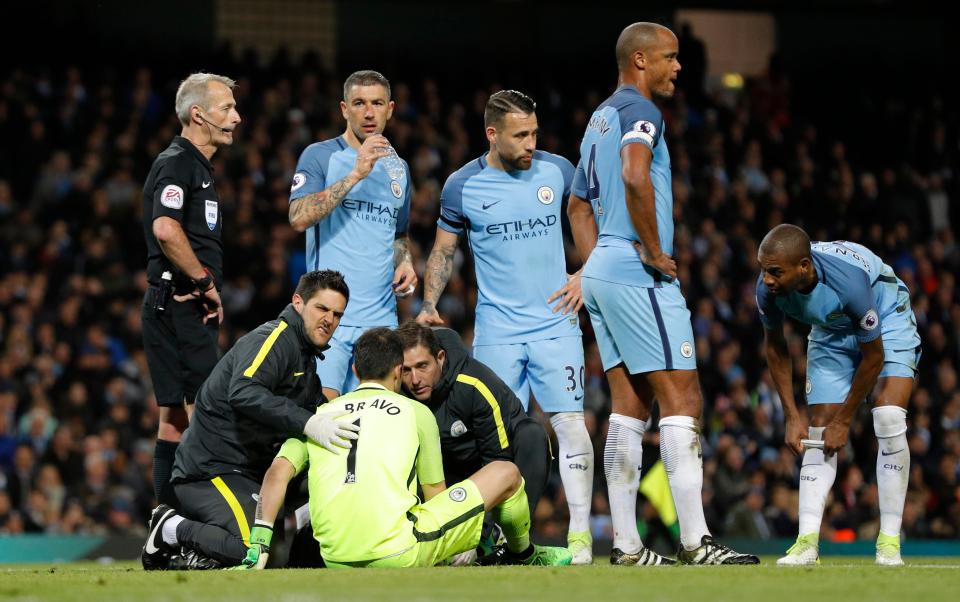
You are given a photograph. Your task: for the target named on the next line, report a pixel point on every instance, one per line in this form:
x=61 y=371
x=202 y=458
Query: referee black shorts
x=181 y=350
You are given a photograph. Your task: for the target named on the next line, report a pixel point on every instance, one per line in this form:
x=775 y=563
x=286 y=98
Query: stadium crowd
x=77 y=414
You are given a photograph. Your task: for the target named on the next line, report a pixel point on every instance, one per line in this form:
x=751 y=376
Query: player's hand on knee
x=835 y=437
x=331 y=433
x=796 y=431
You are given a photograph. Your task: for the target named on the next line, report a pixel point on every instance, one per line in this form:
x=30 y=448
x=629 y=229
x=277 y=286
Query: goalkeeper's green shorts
x=445 y=526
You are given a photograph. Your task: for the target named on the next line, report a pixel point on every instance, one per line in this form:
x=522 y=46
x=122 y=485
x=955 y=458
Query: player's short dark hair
x=413 y=334
x=319 y=280
x=376 y=353
x=790 y=241
x=506 y=101
x=366 y=77
x=634 y=37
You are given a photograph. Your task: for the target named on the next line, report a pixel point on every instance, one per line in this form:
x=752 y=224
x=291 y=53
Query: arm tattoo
x=401 y=251
x=314 y=207
x=439 y=268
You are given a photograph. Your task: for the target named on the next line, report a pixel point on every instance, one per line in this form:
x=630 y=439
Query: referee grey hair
x=195 y=90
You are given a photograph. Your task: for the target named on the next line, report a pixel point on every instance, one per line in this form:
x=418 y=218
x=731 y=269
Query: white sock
x=169 y=530
x=893 y=465
x=683 y=459
x=622 y=458
x=576 y=466
x=816 y=481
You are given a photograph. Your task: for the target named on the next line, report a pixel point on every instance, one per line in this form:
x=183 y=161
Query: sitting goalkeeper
x=364 y=509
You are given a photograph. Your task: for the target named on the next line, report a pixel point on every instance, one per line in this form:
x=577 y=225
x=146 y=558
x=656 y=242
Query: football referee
x=182 y=224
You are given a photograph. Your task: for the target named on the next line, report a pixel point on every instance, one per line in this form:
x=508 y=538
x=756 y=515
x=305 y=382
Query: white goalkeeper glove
x=330 y=433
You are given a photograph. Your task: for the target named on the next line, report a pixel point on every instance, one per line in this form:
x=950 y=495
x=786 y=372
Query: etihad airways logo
x=371 y=212
x=523 y=229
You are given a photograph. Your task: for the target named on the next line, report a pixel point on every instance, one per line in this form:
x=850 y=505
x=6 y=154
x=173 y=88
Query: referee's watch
x=206 y=283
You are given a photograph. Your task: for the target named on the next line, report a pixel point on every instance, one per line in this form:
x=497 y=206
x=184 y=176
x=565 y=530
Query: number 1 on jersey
x=352 y=459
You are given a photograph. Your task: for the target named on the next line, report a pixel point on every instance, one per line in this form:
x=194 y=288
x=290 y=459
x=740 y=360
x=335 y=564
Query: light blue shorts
x=336 y=369
x=552 y=369
x=832 y=361
x=647 y=329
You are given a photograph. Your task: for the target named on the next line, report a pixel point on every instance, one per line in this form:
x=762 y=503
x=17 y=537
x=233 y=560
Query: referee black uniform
x=181 y=349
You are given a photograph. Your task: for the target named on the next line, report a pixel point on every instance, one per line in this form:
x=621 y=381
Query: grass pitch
x=838 y=579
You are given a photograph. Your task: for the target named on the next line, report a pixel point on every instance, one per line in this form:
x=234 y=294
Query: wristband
x=205 y=283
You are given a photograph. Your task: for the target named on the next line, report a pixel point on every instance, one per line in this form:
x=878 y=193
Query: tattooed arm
x=310 y=209
x=439 y=269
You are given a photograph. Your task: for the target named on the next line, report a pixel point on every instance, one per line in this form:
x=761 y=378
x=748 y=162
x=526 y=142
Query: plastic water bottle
x=391 y=161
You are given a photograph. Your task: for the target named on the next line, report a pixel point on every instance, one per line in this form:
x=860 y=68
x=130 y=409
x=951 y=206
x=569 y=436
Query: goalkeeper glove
x=259 y=549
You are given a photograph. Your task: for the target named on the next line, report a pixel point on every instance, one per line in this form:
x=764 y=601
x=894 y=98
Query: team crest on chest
x=396 y=188
x=545 y=195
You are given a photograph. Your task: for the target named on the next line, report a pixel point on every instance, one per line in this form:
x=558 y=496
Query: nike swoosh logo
x=883 y=453
x=205 y=184
x=576 y=455
x=486 y=206
x=578 y=397
x=298 y=373
x=150 y=548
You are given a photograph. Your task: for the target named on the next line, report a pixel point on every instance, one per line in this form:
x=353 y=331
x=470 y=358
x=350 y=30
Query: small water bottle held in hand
x=391 y=161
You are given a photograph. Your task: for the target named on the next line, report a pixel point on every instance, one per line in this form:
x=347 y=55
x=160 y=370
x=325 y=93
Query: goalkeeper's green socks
x=513 y=516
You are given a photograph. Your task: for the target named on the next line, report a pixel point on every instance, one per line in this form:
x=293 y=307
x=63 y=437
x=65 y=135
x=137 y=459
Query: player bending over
x=863 y=334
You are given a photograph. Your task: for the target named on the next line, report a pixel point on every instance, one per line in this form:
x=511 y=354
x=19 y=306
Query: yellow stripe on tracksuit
x=494 y=406
x=235 y=506
x=264 y=350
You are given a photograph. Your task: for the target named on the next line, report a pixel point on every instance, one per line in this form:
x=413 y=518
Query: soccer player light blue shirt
x=856 y=294
x=512 y=220
x=356 y=238
x=626 y=117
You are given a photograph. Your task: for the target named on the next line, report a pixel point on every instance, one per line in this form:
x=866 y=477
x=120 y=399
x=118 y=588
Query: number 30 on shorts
x=572 y=378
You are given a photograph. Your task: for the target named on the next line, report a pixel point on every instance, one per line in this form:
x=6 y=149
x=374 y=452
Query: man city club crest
x=809 y=387
x=686 y=349
x=458 y=494
x=458 y=428
x=545 y=195
x=396 y=188
x=211 y=214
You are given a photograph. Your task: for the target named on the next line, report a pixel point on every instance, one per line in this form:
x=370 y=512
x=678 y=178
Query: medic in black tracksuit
x=261 y=393
x=481 y=420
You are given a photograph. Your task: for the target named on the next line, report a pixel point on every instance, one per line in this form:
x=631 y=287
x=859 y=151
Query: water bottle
x=391 y=161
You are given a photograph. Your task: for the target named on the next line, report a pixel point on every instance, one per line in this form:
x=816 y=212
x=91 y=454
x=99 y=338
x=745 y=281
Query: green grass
x=837 y=580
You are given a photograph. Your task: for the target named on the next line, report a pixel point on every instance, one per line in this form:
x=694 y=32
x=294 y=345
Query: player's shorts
x=832 y=359
x=335 y=370
x=552 y=369
x=445 y=526
x=181 y=350
x=647 y=329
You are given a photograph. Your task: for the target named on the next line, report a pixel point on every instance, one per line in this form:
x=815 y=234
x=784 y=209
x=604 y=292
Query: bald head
x=786 y=241
x=637 y=37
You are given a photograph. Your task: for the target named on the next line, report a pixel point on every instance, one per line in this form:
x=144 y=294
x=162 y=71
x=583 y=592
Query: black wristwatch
x=206 y=283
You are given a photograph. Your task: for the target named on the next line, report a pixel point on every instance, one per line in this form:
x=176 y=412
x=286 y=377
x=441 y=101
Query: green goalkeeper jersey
x=359 y=499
